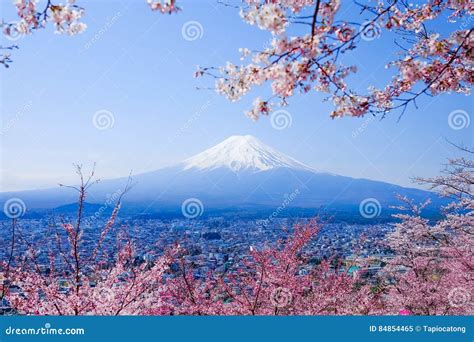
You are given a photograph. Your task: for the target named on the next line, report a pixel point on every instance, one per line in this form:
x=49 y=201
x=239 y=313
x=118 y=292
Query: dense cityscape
x=214 y=241
x=214 y=244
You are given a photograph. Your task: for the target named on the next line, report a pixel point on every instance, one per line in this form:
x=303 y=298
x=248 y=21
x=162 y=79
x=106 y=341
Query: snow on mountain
x=242 y=153
x=241 y=171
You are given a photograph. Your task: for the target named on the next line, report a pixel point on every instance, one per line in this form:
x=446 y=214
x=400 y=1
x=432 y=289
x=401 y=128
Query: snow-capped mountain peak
x=242 y=153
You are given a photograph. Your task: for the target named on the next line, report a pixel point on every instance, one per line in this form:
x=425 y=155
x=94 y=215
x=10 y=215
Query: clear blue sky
x=140 y=69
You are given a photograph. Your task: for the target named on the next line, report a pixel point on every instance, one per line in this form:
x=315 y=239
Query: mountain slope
x=239 y=172
x=241 y=153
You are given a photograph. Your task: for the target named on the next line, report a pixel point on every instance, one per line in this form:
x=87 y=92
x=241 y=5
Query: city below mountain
x=240 y=174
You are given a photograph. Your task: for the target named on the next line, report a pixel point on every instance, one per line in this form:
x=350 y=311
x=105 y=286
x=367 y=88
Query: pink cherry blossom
x=163 y=6
x=301 y=63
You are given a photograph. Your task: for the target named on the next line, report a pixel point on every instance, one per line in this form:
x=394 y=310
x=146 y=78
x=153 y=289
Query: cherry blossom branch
x=313 y=24
x=311 y=62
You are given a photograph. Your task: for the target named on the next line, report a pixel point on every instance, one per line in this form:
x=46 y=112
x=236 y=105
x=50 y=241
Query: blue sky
x=135 y=64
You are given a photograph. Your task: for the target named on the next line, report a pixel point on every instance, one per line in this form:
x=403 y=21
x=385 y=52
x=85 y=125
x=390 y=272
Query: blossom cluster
x=433 y=265
x=66 y=18
x=302 y=63
x=29 y=18
x=163 y=6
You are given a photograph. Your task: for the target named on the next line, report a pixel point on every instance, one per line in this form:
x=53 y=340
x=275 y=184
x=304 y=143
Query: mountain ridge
x=241 y=171
x=241 y=152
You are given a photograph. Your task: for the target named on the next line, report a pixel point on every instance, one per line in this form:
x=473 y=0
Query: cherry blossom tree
x=66 y=19
x=275 y=280
x=266 y=282
x=6 y=266
x=428 y=62
x=74 y=282
x=269 y=281
x=433 y=270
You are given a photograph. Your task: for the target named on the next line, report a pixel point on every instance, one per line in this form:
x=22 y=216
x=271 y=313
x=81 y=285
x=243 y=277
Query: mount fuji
x=242 y=153
x=240 y=173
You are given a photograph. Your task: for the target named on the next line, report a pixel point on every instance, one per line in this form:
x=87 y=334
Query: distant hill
x=241 y=175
